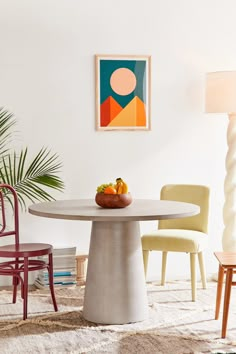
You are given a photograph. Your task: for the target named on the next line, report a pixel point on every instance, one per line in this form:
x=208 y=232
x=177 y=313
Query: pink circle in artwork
x=123 y=81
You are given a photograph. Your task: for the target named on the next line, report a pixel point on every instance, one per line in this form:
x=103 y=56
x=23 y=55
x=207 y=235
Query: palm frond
x=6 y=123
x=31 y=180
x=27 y=179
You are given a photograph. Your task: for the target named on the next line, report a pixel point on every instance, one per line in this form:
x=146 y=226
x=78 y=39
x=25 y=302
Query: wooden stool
x=227 y=264
x=81 y=267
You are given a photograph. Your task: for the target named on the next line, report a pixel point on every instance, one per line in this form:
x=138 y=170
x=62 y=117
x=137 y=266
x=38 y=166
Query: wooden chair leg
x=50 y=277
x=145 y=261
x=15 y=282
x=202 y=269
x=228 y=284
x=25 y=288
x=163 y=268
x=193 y=275
x=219 y=290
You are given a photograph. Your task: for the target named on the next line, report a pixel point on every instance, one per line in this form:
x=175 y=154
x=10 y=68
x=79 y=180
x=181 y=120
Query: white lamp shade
x=221 y=92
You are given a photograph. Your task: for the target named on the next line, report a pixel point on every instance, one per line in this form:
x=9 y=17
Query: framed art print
x=122 y=92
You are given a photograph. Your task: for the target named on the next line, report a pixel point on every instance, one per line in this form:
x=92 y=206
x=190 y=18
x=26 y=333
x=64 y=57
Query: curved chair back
x=196 y=194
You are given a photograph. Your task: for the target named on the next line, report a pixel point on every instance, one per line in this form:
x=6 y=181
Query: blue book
x=60 y=274
x=63 y=283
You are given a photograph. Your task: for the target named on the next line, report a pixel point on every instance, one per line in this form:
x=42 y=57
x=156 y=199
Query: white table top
x=139 y=210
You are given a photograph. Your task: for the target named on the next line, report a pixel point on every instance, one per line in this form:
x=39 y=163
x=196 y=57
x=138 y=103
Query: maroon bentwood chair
x=21 y=263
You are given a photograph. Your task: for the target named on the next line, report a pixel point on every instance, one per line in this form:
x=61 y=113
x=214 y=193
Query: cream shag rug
x=175 y=325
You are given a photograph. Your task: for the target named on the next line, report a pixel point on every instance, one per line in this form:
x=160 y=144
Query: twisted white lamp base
x=229 y=210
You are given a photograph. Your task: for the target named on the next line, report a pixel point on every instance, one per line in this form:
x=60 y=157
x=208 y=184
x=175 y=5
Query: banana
x=121 y=186
x=125 y=188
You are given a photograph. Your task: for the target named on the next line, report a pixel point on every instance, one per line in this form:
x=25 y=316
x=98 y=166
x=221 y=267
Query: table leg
x=219 y=290
x=228 y=284
x=115 y=291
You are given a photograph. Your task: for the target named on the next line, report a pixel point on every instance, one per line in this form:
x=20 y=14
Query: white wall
x=47 y=80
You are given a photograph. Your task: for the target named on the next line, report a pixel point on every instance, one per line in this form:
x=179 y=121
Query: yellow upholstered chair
x=181 y=235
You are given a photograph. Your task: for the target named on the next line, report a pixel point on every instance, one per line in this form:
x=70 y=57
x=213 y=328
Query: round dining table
x=115 y=290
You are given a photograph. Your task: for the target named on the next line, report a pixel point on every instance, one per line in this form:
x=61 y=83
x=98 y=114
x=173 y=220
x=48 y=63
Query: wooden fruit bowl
x=113 y=201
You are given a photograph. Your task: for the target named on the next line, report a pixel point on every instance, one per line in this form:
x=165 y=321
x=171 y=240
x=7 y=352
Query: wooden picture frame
x=123 y=84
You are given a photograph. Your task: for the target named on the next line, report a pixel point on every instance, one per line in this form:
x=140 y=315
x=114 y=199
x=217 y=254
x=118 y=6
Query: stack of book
x=64 y=268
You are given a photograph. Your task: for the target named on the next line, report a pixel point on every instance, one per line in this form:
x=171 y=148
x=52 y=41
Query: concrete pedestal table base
x=115 y=291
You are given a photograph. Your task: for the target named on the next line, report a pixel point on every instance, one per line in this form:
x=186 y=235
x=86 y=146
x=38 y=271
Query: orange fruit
x=109 y=190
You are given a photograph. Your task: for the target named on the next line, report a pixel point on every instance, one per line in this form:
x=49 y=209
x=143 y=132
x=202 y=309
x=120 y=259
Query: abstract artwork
x=122 y=92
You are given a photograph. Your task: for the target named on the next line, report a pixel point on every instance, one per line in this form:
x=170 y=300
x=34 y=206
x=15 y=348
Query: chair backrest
x=196 y=194
x=8 y=197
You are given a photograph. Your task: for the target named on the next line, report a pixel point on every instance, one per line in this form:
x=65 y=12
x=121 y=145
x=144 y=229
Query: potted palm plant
x=31 y=179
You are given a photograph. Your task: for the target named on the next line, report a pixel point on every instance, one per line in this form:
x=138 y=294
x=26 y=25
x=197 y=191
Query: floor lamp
x=221 y=98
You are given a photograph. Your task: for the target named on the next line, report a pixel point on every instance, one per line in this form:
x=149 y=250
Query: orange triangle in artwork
x=109 y=110
x=141 y=117
x=133 y=115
